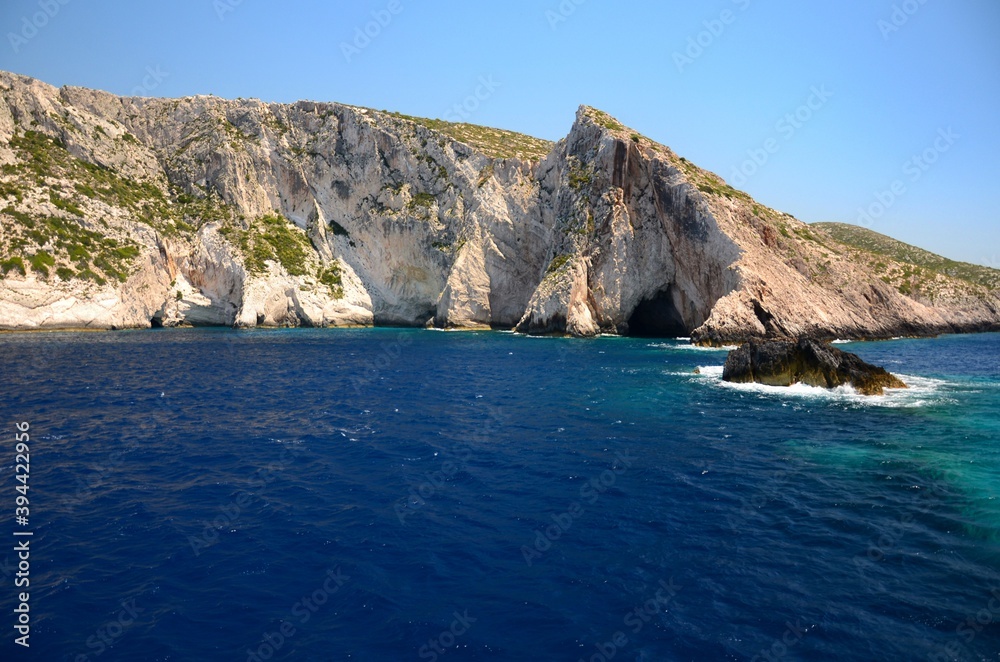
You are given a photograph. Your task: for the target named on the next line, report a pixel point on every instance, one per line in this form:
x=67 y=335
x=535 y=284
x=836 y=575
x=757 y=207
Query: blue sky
x=817 y=109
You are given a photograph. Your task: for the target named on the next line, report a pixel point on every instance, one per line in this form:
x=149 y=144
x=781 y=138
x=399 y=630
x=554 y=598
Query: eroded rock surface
x=130 y=212
x=805 y=361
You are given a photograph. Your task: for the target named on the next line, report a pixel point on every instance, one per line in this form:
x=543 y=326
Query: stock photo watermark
x=10 y=570
x=388 y=354
x=562 y=12
x=913 y=170
x=22 y=534
x=462 y=112
x=780 y=647
x=968 y=629
x=224 y=7
x=590 y=492
x=452 y=463
x=889 y=539
x=154 y=76
x=900 y=16
x=764 y=494
x=365 y=34
x=112 y=631
x=699 y=44
x=96 y=478
x=229 y=513
x=433 y=481
x=448 y=637
x=634 y=621
x=34 y=23
x=786 y=128
x=301 y=612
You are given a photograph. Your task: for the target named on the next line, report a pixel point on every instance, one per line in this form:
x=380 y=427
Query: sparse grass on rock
x=495 y=143
x=923 y=264
x=66 y=246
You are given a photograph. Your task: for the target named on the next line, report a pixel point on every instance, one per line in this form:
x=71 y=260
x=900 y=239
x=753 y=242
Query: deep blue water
x=380 y=493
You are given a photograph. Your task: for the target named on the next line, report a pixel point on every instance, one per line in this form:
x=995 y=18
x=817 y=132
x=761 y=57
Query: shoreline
x=720 y=345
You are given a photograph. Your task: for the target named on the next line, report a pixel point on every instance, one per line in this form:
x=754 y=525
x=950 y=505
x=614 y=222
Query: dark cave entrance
x=657 y=318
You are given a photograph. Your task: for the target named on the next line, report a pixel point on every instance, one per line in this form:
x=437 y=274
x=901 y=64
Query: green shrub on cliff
x=41 y=261
x=64 y=205
x=580 y=176
x=11 y=190
x=558 y=262
x=601 y=118
x=331 y=277
x=421 y=200
x=66 y=242
x=12 y=264
x=272 y=238
x=44 y=161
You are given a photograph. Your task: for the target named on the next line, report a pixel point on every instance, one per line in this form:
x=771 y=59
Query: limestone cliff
x=130 y=212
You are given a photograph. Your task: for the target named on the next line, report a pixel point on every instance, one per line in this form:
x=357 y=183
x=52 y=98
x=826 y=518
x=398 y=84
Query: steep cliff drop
x=130 y=212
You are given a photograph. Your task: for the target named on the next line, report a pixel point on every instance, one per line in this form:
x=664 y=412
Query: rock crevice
x=125 y=212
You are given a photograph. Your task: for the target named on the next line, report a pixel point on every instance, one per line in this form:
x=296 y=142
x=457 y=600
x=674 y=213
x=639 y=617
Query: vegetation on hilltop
x=709 y=182
x=495 y=143
x=601 y=118
x=924 y=261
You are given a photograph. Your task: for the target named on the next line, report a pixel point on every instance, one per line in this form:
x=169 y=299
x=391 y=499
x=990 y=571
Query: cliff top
x=495 y=143
x=881 y=245
x=203 y=210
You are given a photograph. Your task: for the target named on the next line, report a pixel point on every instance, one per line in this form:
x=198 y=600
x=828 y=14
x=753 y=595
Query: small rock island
x=805 y=361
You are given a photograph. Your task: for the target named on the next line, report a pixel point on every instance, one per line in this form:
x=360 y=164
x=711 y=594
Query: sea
x=387 y=494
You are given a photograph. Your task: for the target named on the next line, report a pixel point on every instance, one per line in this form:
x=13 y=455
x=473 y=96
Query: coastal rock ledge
x=805 y=361
x=133 y=212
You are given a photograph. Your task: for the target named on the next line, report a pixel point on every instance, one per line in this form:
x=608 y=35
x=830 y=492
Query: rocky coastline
x=124 y=212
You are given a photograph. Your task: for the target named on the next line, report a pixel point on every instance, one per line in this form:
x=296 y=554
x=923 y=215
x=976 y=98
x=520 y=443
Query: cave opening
x=657 y=317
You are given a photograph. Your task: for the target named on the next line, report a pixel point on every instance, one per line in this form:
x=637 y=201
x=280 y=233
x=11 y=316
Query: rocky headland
x=124 y=212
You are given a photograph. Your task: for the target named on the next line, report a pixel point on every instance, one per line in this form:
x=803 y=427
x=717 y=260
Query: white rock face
x=403 y=225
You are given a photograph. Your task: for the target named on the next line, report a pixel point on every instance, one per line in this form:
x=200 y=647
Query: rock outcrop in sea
x=123 y=212
x=805 y=361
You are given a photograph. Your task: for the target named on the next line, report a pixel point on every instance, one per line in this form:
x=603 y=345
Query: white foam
x=701 y=371
x=922 y=391
x=687 y=347
x=457 y=329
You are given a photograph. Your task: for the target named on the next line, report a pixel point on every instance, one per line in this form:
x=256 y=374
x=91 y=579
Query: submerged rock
x=806 y=361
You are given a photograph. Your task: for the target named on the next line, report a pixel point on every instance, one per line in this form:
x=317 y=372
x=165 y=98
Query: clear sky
x=833 y=99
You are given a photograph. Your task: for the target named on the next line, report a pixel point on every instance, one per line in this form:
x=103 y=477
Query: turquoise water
x=391 y=495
